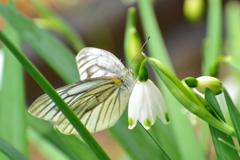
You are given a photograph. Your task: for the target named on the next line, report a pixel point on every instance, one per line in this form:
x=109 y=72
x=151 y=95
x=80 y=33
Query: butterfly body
x=98 y=100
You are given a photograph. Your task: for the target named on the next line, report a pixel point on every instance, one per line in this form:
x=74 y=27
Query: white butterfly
x=98 y=100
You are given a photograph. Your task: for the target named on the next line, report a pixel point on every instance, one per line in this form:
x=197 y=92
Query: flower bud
x=191 y=82
x=193 y=10
x=143 y=72
x=132 y=41
x=209 y=82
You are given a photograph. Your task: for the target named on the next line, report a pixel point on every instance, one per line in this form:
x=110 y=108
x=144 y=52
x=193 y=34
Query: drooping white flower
x=145 y=104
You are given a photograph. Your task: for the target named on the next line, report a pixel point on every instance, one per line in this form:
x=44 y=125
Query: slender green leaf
x=211 y=99
x=233 y=37
x=12 y=99
x=183 y=138
x=50 y=49
x=233 y=32
x=213 y=42
x=56 y=98
x=10 y=152
x=77 y=146
x=234 y=114
x=223 y=151
x=228 y=144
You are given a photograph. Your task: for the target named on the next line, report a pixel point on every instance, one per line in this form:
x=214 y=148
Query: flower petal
x=134 y=106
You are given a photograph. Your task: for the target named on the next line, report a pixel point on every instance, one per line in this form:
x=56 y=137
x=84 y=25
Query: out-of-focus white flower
x=145 y=104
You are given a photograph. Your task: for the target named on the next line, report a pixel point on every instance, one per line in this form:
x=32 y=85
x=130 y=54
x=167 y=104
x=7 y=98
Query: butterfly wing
x=94 y=62
x=45 y=108
x=98 y=109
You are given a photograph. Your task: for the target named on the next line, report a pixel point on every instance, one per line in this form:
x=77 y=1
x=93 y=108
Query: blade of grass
x=51 y=50
x=233 y=32
x=10 y=151
x=12 y=99
x=212 y=45
x=57 y=24
x=184 y=138
x=234 y=114
x=223 y=151
x=233 y=147
x=211 y=99
x=56 y=98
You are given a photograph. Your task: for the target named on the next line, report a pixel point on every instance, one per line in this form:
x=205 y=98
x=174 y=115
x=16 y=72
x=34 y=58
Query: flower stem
x=159 y=145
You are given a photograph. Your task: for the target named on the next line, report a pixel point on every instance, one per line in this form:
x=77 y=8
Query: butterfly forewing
x=94 y=62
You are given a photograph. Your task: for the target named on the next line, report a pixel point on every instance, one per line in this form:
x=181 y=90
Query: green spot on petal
x=130 y=121
x=166 y=117
x=143 y=72
x=147 y=123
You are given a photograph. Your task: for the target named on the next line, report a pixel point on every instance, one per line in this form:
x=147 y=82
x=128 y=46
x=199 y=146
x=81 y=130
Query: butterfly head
x=127 y=73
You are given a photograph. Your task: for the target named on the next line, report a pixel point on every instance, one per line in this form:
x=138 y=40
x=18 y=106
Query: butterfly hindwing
x=100 y=115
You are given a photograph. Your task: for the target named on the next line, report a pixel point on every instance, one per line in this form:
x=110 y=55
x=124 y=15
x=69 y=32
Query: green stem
x=228 y=144
x=212 y=47
x=44 y=84
x=159 y=145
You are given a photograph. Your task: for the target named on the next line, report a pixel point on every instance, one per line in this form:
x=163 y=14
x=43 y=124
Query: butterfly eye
x=130 y=71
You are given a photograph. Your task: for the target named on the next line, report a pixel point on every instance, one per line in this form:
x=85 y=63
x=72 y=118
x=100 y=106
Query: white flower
x=145 y=104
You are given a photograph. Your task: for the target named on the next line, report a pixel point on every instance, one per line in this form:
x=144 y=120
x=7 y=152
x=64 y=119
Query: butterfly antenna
x=140 y=50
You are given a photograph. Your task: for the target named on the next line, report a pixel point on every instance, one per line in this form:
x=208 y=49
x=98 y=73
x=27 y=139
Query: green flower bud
x=209 y=82
x=143 y=72
x=193 y=10
x=132 y=41
x=191 y=82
